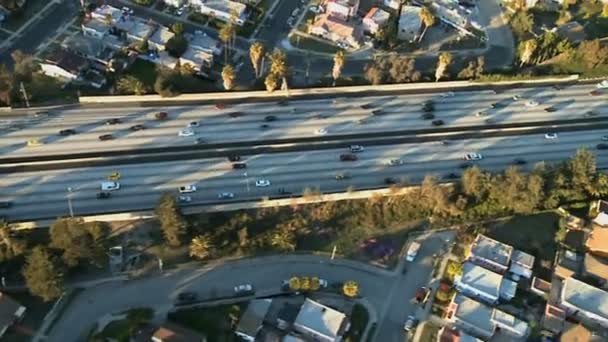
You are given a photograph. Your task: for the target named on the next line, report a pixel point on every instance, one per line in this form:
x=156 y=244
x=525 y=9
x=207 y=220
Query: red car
x=220 y=106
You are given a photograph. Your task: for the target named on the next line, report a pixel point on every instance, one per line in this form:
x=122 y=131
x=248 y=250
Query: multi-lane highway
x=44 y=194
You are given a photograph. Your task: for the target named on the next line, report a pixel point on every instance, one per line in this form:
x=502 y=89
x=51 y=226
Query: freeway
x=44 y=194
x=299 y=118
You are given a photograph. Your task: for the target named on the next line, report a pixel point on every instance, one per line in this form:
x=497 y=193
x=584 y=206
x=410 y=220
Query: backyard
x=216 y=322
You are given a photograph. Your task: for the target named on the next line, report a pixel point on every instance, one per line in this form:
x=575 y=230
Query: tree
x=172 y=222
x=176 y=46
x=6 y=85
x=403 y=69
x=187 y=69
x=521 y=23
x=453 y=269
x=294 y=284
x=177 y=28
x=77 y=242
x=526 y=50
x=473 y=70
x=375 y=72
x=428 y=19
x=315 y=284
x=284 y=239
x=271 y=82
x=43 y=276
x=228 y=76
x=256 y=53
x=593 y=53
x=605 y=11
x=165 y=84
x=201 y=247
x=350 y=289
x=130 y=84
x=338 y=65
x=10 y=247
x=108 y=19
x=445 y=59
x=225 y=34
x=24 y=66
x=278 y=63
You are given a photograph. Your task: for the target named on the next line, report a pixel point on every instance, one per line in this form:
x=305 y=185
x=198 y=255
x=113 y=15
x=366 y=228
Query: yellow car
x=114 y=176
x=34 y=142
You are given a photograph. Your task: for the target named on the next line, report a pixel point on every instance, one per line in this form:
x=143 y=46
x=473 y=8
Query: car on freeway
x=193 y=124
x=595 y=93
x=200 y=141
x=235 y=115
x=114 y=176
x=225 y=195
x=516 y=97
x=34 y=142
x=390 y=180
x=41 y=113
x=427 y=116
x=395 y=162
x=186 y=297
x=428 y=106
x=448 y=94
x=321 y=131
x=238 y=166
x=244 y=289
x=343 y=176
x=550 y=109
x=437 y=122
x=161 y=115
x=356 y=148
x=451 y=175
x=114 y=121
x=557 y=87
x=604 y=138
x=187 y=188
x=184 y=199
x=137 y=127
x=589 y=114
x=531 y=103
x=262 y=183
x=445 y=142
x=103 y=195
x=282 y=103
x=220 y=106
x=410 y=324
x=363 y=121
x=110 y=186
x=270 y=118
x=66 y=132
x=480 y=114
x=348 y=157
x=105 y=137
x=5 y=205
x=366 y=106
x=185 y=133
x=519 y=161
x=234 y=158
x=473 y=156
x=602 y=85
x=602 y=146
x=550 y=136
x=496 y=105
x=490 y=121
x=377 y=112
x=264 y=126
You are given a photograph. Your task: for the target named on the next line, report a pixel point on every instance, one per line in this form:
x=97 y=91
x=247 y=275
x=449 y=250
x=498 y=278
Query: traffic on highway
x=48 y=189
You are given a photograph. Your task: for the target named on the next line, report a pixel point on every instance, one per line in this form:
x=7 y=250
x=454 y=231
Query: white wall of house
x=175 y=3
x=53 y=70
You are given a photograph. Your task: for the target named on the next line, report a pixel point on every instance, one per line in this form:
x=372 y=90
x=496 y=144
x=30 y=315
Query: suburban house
x=175 y=3
x=597 y=241
x=198 y=59
x=93 y=49
x=343 y=9
x=335 y=30
x=159 y=38
x=393 y=4
x=11 y=313
x=484 y=284
x=540 y=287
x=174 y=333
x=222 y=10
x=553 y=319
x=409 y=23
x=491 y=254
x=320 y=322
x=95 y=28
x=585 y=300
x=454 y=335
x=201 y=41
x=252 y=319
x=595 y=267
x=602 y=208
x=139 y=30
x=64 y=65
x=375 y=19
x=521 y=264
x=482 y=321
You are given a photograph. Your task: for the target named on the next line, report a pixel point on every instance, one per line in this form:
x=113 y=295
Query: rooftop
x=96 y=25
x=585 y=297
x=378 y=15
x=345 y=2
x=169 y=332
x=226 y=6
x=161 y=36
x=481 y=279
x=196 y=57
x=553 y=319
x=490 y=249
x=575 y=333
x=334 y=25
x=82 y=44
x=523 y=259
x=598 y=240
x=66 y=60
x=451 y=335
x=253 y=317
x=204 y=42
x=319 y=319
x=473 y=313
x=509 y=322
x=541 y=285
x=103 y=11
x=596 y=266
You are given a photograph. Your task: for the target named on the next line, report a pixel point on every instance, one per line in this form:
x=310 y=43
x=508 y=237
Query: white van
x=412 y=251
x=109 y=186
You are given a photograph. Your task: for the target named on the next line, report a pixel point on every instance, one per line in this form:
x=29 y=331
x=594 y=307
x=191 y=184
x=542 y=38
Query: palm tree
x=527 y=49
x=271 y=82
x=201 y=246
x=445 y=59
x=338 y=65
x=228 y=75
x=130 y=85
x=225 y=35
x=177 y=28
x=428 y=19
x=294 y=284
x=256 y=52
x=278 y=63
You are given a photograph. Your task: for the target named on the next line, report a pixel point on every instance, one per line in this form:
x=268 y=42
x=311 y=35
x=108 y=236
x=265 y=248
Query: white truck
x=412 y=251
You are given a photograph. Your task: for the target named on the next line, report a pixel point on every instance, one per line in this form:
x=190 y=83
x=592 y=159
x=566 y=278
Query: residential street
x=265 y=274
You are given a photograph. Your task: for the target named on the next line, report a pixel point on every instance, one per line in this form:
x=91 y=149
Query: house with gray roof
x=521 y=264
x=320 y=322
x=491 y=254
x=252 y=320
x=484 y=284
x=585 y=300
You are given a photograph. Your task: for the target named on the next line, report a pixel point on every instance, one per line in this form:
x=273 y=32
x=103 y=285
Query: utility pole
x=70 y=202
x=24 y=93
x=285 y=87
x=333 y=252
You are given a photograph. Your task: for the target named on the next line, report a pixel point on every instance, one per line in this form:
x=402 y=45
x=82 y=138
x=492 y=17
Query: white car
x=531 y=103
x=243 y=288
x=127 y=10
x=356 y=148
x=110 y=186
x=225 y=195
x=473 y=156
x=602 y=85
x=290 y=21
x=180 y=11
x=395 y=162
x=551 y=136
x=262 y=183
x=184 y=199
x=187 y=188
x=314 y=9
x=342 y=45
x=186 y=133
x=448 y=94
x=321 y=131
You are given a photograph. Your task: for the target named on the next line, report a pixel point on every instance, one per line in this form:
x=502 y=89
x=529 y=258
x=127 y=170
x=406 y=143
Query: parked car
x=410 y=324
x=244 y=289
x=422 y=295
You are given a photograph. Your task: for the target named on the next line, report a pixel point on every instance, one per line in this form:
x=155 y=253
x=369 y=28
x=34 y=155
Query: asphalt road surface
x=44 y=194
x=300 y=118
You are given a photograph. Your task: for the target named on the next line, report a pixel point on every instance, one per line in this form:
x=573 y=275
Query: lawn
x=312 y=44
x=358 y=321
x=144 y=71
x=533 y=234
x=216 y=322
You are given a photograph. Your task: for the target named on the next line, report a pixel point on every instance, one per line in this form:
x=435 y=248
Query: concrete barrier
x=337 y=91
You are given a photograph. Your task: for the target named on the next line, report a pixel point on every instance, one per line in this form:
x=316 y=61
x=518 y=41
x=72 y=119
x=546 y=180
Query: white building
x=159 y=38
x=320 y=322
x=175 y=3
x=394 y=4
x=585 y=300
x=409 y=23
x=343 y=9
x=335 y=30
x=484 y=284
x=201 y=41
x=222 y=9
x=375 y=19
